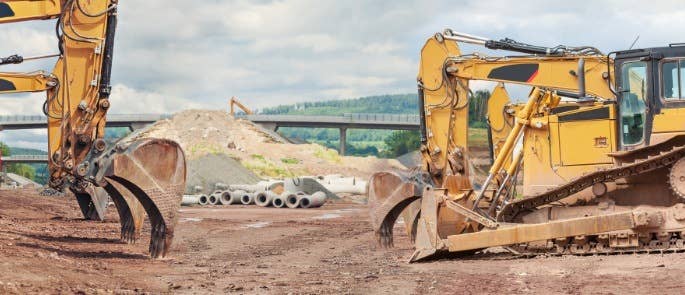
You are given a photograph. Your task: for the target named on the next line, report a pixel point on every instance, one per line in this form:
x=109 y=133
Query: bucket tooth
x=131 y=211
x=389 y=194
x=93 y=202
x=411 y=217
x=428 y=242
x=153 y=171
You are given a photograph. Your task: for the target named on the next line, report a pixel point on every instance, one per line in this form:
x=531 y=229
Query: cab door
x=634 y=89
x=670 y=121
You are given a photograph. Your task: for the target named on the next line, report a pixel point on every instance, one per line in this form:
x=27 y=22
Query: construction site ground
x=45 y=247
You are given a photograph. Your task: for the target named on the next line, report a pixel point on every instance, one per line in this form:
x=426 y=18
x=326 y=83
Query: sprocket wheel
x=676 y=178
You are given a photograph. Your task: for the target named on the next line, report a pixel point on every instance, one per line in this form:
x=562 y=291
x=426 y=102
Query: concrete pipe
x=236 y=197
x=291 y=200
x=214 y=198
x=264 y=199
x=245 y=187
x=307 y=185
x=359 y=187
x=189 y=200
x=278 y=201
x=203 y=200
x=225 y=198
x=259 y=187
x=220 y=186
x=328 y=178
x=247 y=198
x=314 y=200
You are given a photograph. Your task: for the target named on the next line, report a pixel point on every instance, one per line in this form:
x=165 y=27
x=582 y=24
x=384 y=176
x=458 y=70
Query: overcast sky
x=172 y=55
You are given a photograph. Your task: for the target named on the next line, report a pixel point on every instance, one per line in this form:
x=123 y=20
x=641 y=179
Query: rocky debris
x=50 y=192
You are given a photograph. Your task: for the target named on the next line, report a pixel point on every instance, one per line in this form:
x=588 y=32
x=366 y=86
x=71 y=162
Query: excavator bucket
x=131 y=211
x=93 y=202
x=153 y=172
x=389 y=194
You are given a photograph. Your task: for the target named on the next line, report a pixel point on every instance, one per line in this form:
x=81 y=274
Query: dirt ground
x=45 y=247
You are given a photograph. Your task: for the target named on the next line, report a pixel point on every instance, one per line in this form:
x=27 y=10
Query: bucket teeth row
x=146 y=176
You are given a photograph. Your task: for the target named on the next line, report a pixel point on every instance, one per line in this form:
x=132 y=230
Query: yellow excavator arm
x=23 y=10
x=444 y=76
x=30 y=82
x=76 y=116
x=141 y=175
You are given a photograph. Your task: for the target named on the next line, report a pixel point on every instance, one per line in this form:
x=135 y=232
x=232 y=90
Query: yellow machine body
x=598 y=162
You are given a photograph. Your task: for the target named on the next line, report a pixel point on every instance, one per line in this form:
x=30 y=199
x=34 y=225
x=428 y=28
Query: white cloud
x=127 y=100
x=172 y=54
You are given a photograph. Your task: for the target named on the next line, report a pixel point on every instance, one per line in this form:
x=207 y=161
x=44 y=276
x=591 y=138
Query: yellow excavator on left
x=140 y=175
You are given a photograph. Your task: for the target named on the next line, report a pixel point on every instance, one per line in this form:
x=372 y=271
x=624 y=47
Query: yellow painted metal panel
x=585 y=142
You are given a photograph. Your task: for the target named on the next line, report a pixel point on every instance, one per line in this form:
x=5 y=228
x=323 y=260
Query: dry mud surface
x=46 y=248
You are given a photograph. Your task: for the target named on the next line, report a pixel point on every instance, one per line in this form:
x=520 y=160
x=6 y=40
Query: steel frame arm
x=26 y=82
x=444 y=76
x=558 y=73
x=78 y=121
x=77 y=110
x=23 y=10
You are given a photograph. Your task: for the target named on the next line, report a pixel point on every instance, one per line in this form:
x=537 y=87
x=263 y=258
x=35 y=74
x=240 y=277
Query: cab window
x=633 y=102
x=673 y=80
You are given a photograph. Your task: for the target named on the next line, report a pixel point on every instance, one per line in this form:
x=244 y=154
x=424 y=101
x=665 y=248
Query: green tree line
x=25 y=170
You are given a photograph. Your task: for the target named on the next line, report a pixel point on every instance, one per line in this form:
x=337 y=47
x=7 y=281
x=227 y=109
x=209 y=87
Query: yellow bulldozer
x=140 y=175
x=592 y=162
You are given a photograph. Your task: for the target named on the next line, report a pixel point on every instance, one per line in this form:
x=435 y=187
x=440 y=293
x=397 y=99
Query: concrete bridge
x=24 y=159
x=269 y=122
x=344 y=122
x=134 y=122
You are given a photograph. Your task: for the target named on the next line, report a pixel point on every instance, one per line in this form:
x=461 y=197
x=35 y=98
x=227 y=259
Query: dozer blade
x=153 y=171
x=93 y=202
x=131 y=211
x=389 y=194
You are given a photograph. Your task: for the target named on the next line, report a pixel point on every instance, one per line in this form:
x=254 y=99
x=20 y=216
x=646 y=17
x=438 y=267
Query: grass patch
x=327 y=154
x=478 y=137
x=290 y=161
x=266 y=168
x=203 y=149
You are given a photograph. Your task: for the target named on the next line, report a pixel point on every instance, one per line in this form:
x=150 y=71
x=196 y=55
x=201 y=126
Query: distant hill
x=26 y=151
x=35 y=171
x=386 y=104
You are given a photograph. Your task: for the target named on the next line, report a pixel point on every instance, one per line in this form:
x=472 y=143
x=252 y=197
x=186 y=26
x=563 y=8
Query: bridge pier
x=136 y=126
x=343 y=140
x=269 y=126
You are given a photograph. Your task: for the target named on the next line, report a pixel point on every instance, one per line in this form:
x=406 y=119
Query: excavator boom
x=141 y=175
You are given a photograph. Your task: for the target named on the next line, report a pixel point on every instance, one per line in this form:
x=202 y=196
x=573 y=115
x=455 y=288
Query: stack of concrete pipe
x=301 y=192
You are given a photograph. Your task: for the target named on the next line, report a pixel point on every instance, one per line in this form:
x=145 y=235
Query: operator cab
x=643 y=107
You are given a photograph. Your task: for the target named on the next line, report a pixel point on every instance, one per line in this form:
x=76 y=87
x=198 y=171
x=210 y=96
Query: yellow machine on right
x=592 y=162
